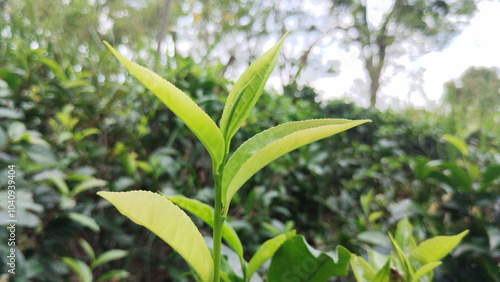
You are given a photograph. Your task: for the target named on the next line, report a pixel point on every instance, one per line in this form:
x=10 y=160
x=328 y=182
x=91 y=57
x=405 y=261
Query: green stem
x=218 y=223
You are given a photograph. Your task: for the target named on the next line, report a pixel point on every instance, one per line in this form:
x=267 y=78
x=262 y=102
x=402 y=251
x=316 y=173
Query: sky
x=478 y=45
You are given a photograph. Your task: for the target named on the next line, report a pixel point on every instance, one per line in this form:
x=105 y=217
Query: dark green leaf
x=296 y=261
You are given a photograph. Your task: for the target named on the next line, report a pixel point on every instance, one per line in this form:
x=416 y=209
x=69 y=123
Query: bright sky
x=477 y=45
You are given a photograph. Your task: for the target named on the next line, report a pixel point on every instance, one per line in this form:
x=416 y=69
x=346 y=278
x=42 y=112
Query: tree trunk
x=375 y=70
x=374 y=86
x=163 y=25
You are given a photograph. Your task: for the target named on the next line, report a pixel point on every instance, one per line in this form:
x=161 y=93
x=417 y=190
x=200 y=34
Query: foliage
x=414 y=262
x=70 y=117
x=249 y=158
x=472 y=107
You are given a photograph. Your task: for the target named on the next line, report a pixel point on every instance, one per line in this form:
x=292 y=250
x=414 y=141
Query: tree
x=474 y=102
x=418 y=26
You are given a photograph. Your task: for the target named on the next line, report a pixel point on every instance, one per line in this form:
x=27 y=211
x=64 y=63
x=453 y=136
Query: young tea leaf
x=246 y=92
x=84 y=220
x=87 y=184
x=114 y=275
x=60 y=184
x=80 y=268
x=425 y=269
x=193 y=116
x=271 y=144
x=169 y=222
x=384 y=273
x=403 y=260
x=87 y=249
x=206 y=213
x=459 y=144
x=265 y=251
x=376 y=259
x=404 y=234
x=109 y=256
x=361 y=269
x=436 y=248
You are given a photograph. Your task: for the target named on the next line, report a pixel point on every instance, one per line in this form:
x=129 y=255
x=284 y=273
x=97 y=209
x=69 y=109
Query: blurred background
x=73 y=121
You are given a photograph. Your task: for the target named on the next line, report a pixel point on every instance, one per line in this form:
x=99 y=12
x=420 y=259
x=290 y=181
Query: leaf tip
x=463 y=234
x=107 y=44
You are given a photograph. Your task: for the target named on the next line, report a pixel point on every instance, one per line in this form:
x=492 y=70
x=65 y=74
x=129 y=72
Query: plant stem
x=218 y=223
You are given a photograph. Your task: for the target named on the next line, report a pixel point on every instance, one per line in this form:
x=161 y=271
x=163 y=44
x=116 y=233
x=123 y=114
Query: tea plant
x=410 y=263
x=84 y=271
x=161 y=215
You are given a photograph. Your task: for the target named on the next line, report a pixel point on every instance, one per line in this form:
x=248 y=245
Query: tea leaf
x=361 y=269
x=425 y=269
x=404 y=234
x=118 y=273
x=206 y=213
x=88 y=184
x=246 y=91
x=296 y=260
x=87 y=249
x=269 y=145
x=193 y=116
x=436 y=248
x=84 y=220
x=459 y=144
x=169 y=222
x=60 y=184
x=109 y=256
x=405 y=263
x=384 y=274
x=376 y=260
x=265 y=251
x=80 y=268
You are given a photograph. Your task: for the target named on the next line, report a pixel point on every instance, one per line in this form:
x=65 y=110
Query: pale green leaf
x=376 y=259
x=80 y=268
x=437 y=248
x=265 y=251
x=178 y=102
x=403 y=235
x=269 y=227
x=365 y=201
x=373 y=237
x=109 y=256
x=88 y=184
x=86 y=132
x=87 y=249
x=459 y=144
x=60 y=184
x=361 y=269
x=384 y=273
x=374 y=216
x=425 y=269
x=246 y=91
x=269 y=145
x=117 y=273
x=84 y=220
x=206 y=213
x=403 y=260
x=169 y=222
